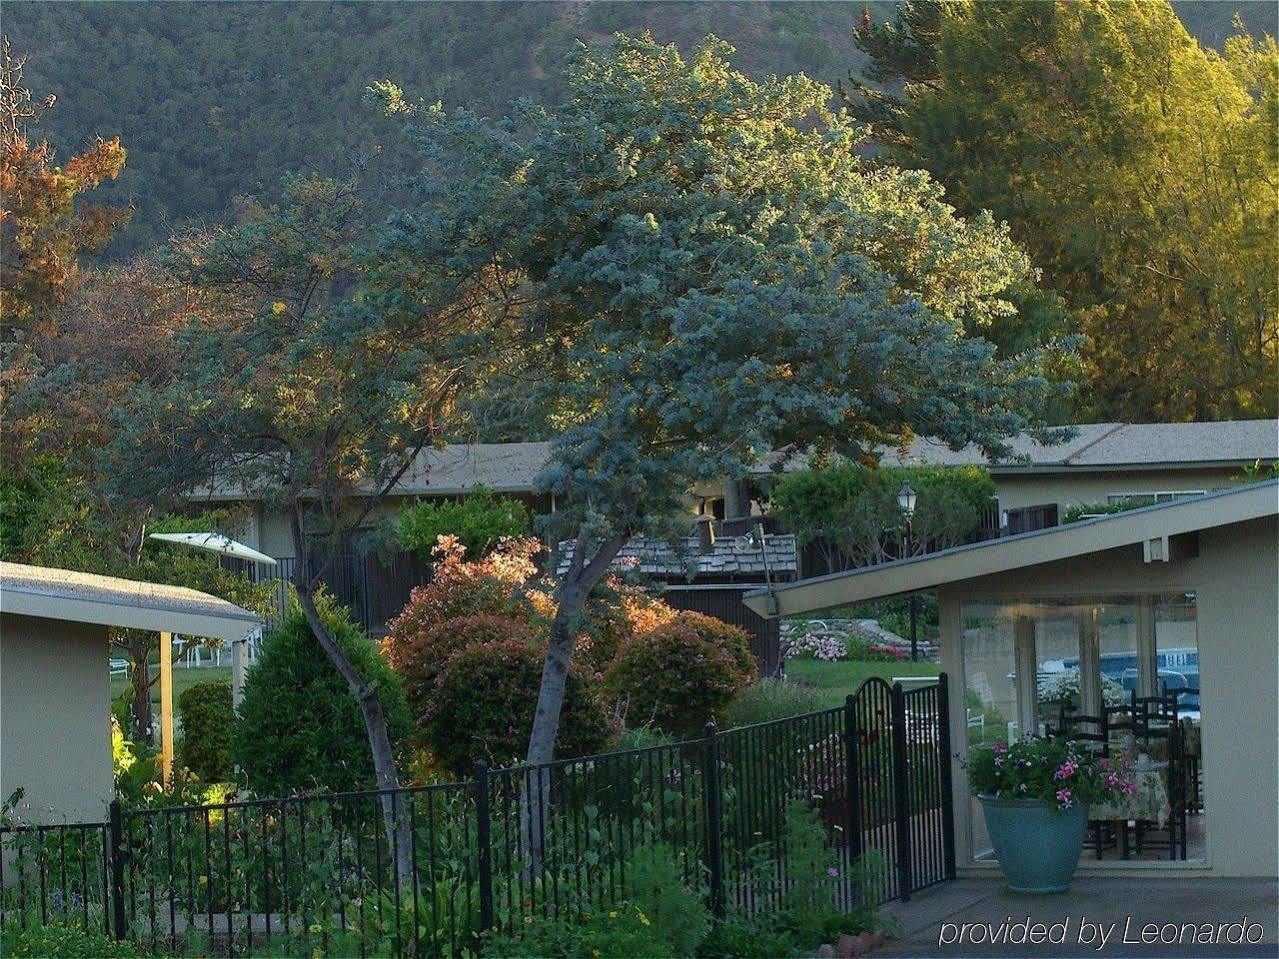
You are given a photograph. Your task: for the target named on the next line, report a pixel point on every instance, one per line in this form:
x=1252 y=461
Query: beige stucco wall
x=1236 y=581
x=55 y=708
x=1018 y=490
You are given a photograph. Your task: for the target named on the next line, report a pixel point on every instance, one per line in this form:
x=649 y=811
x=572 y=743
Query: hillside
x=216 y=100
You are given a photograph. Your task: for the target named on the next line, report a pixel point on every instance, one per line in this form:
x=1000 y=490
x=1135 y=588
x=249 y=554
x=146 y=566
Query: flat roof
x=72 y=596
x=1241 y=504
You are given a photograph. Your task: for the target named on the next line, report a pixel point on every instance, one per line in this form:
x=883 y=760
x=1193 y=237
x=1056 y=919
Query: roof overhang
x=108 y=601
x=1139 y=527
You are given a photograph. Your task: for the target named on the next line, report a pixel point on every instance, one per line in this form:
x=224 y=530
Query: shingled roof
x=730 y=556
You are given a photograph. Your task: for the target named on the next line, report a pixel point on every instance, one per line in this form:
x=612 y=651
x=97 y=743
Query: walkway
x=1093 y=903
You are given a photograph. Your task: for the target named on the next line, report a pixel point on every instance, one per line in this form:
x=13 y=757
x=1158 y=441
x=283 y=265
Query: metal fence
x=318 y=871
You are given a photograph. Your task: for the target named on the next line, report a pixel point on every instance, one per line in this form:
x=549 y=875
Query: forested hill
x=217 y=100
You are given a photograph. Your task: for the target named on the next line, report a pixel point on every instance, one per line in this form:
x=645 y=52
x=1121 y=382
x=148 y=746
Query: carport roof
x=1132 y=527
x=72 y=596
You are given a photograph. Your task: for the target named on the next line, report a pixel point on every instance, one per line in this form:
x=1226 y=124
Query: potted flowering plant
x=1035 y=796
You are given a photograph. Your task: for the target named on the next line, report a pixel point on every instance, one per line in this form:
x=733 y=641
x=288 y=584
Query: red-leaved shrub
x=484 y=702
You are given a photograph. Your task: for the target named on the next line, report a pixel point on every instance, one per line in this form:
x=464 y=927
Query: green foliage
x=299 y=728
x=484 y=703
x=770 y=699
x=64 y=942
x=696 y=292
x=478 y=520
x=682 y=674
x=207 y=715
x=1135 y=166
x=852 y=510
x=218 y=134
x=1077 y=511
x=1050 y=769
x=659 y=917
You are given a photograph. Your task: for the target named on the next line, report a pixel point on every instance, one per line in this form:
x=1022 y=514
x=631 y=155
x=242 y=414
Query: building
x=55 y=698
x=1103 y=463
x=1175 y=601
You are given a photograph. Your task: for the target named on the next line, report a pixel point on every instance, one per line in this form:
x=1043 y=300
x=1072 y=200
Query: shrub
x=420 y=657
x=682 y=674
x=64 y=942
x=661 y=917
x=479 y=521
x=867 y=652
x=207 y=717
x=770 y=699
x=485 y=700
x=299 y=728
x=820 y=646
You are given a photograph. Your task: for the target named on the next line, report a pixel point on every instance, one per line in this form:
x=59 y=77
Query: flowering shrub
x=1053 y=770
x=869 y=652
x=682 y=674
x=821 y=646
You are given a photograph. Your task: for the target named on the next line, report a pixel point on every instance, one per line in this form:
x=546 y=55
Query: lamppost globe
x=906 y=500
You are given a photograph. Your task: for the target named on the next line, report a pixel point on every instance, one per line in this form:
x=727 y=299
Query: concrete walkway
x=1072 y=924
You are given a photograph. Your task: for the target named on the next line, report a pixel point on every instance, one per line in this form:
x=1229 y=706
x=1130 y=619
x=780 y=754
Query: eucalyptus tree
x=705 y=272
x=318 y=370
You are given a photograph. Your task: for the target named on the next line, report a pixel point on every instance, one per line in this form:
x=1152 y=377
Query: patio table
x=1147 y=803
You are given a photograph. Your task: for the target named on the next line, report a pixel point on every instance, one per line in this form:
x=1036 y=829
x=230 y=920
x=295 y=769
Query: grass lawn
x=182 y=678
x=837 y=680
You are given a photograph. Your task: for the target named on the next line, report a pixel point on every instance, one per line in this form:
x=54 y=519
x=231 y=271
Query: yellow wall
x=55 y=709
x=1235 y=578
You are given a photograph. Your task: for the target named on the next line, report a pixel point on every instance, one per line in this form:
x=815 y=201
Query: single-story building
x=1176 y=601
x=55 y=692
x=1103 y=463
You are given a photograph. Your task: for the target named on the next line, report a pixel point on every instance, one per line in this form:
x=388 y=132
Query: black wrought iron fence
x=508 y=845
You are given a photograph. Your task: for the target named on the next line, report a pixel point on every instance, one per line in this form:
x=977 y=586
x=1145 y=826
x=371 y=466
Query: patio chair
x=1173 y=835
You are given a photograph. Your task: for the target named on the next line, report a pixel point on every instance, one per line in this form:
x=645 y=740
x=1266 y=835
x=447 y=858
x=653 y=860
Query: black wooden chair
x=1159 y=738
x=1093 y=732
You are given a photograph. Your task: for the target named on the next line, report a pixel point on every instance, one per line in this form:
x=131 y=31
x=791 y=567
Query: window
x=1160 y=496
x=1026 y=661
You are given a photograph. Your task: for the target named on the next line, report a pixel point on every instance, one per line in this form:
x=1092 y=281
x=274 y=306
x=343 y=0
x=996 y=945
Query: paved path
x=1120 y=907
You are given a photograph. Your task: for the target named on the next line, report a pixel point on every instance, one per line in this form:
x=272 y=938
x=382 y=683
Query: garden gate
x=898 y=752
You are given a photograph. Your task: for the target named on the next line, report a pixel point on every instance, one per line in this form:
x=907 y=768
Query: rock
x=877 y=938
x=827 y=951
x=849 y=947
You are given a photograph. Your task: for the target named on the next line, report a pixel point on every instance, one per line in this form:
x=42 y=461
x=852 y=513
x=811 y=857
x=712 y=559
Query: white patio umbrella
x=224 y=546
x=216 y=543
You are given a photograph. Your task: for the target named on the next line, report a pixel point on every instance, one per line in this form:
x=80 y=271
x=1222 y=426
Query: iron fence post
x=484 y=843
x=947 y=786
x=901 y=793
x=116 y=835
x=714 y=821
x=851 y=779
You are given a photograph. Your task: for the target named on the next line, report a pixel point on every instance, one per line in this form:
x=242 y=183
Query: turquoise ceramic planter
x=1038 y=846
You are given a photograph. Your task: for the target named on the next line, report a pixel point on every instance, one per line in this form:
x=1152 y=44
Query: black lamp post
x=906 y=497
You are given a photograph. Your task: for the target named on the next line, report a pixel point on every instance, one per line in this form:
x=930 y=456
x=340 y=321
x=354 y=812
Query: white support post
x=1147 y=653
x=1090 y=660
x=1027 y=676
x=166 y=707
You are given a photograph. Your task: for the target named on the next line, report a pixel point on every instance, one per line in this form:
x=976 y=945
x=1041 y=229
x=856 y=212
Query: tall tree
x=45 y=226
x=706 y=272
x=322 y=373
x=1137 y=168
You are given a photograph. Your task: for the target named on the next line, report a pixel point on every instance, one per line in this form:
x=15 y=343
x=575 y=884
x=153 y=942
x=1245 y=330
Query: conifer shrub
x=299 y=727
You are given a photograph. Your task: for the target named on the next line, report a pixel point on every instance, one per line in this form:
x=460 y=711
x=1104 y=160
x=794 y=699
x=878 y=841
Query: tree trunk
x=383 y=753
x=571 y=597
x=140 y=679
